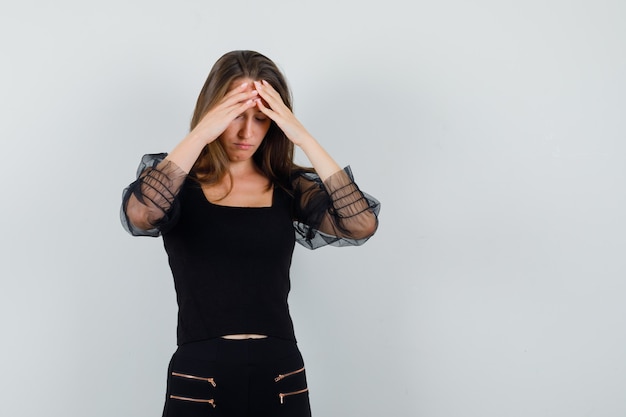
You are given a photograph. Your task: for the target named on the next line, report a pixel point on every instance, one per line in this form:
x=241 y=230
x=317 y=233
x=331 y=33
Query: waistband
x=245 y=350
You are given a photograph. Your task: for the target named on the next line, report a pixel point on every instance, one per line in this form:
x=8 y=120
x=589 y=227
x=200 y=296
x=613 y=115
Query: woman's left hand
x=276 y=110
x=280 y=113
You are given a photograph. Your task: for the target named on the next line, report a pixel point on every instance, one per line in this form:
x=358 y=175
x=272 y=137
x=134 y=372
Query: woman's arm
x=333 y=212
x=148 y=202
x=322 y=162
x=343 y=211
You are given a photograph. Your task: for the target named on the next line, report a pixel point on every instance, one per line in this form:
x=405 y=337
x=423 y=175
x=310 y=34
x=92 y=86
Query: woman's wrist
x=187 y=151
x=306 y=141
x=322 y=162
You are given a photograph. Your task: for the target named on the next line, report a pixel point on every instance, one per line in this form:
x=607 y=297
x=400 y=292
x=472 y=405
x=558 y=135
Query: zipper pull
x=281 y=376
x=282 y=398
x=212 y=382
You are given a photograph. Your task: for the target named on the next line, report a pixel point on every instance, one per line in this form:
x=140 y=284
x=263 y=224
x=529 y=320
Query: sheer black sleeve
x=334 y=212
x=149 y=204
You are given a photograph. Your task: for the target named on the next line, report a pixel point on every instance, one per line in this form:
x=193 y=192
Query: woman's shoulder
x=299 y=173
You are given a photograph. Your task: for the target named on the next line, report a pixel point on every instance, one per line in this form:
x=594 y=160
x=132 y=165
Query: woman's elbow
x=138 y=214
x=366 y=227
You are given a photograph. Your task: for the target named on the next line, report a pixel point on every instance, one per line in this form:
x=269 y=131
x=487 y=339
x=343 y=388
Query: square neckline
x=272 y=202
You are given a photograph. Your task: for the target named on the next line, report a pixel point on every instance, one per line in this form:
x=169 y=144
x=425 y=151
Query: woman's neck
x=242 y=169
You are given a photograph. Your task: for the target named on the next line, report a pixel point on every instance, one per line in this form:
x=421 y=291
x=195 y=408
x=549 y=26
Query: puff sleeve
x=333 y=212
x=150 y=204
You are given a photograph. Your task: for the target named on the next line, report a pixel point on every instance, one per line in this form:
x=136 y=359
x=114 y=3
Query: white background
x=493 y=132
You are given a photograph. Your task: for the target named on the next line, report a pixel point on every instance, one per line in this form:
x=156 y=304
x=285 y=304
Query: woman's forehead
x=238 y=81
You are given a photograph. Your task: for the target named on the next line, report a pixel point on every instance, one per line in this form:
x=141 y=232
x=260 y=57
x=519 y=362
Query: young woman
x=230 y=203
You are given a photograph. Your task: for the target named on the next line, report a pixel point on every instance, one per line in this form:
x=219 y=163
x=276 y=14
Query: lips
x=243 y=146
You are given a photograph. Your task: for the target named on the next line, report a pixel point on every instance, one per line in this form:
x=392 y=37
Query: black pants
x=236 y=378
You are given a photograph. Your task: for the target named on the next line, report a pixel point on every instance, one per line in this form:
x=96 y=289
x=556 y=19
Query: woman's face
x=244 y=135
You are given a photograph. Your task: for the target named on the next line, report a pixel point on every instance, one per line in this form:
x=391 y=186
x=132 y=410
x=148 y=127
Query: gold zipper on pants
x=195 y=400
x=199 y=378
x=281 y=376
x=287 y=394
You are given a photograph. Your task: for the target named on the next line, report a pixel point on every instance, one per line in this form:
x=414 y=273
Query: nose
x=246 y=129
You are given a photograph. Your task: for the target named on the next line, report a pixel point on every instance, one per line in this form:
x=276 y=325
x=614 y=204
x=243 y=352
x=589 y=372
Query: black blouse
x=231 y=264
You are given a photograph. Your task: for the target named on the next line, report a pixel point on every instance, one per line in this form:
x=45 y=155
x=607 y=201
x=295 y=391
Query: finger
x=239 y=90
x=239 y=108
x=269 y=87
x=266 y=90
x=234 y=103
x=239 y=94
x=264 y=109
x=270 y=97
x=241 y=97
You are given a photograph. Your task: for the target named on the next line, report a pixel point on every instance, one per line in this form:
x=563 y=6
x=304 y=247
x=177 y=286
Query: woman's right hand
x=212 y=125
x=215 y=122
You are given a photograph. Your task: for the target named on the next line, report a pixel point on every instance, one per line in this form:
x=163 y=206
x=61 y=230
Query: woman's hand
x=215 y=122
x=212 y=125
x=293 y=129
x=280 y=113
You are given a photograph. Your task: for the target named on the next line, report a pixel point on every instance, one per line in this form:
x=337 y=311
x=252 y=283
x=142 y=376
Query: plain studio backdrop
x=493 y=132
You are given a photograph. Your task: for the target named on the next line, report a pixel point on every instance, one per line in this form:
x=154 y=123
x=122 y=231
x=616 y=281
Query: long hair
x=275 y=154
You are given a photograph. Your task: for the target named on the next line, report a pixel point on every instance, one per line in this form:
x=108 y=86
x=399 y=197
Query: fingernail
x=244 y=85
